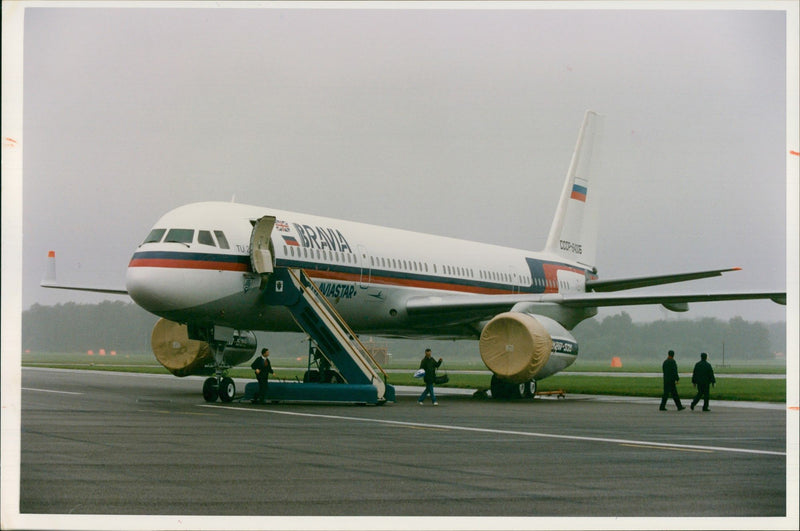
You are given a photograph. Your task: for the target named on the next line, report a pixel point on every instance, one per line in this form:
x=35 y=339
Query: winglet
x=50 y=275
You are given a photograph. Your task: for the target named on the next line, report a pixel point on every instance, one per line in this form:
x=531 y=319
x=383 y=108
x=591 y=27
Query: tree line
x=124 y=327
x=739 y=340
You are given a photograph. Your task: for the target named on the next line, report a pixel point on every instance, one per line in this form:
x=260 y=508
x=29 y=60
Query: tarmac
x=103 y=443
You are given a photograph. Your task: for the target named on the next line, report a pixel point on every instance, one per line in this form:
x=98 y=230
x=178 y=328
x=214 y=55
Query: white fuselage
x=367 y=272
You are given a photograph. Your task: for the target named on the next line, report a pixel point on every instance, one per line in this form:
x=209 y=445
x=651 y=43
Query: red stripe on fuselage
x=550 y=270
x=551 y=273
x=406 y=282
x=188 y=264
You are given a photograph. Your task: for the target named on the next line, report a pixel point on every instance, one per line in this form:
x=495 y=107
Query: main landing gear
x=505 y=390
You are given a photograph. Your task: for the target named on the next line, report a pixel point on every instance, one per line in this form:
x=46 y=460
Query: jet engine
x=517 y=347
x=183 y=356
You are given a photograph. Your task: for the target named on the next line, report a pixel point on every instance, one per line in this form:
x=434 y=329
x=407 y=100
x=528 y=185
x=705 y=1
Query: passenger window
x=223 y=241
x=155 y=236
x=204 y=237
x=180 y=236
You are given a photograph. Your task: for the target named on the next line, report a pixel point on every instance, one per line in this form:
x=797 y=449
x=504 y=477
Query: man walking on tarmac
x=670 y=370
x=429 y=365
x=263 y=369
x=702 y=377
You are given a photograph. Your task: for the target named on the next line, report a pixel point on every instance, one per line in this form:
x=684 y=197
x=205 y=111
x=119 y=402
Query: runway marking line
x=422 y=428
x=668 y=448
x=507 y=432
x=49 y=391
x=166 y=412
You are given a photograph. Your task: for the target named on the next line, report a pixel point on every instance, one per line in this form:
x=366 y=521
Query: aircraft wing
x=641 y=282
x=114 y=291
x=50 y=280
x=467 y=308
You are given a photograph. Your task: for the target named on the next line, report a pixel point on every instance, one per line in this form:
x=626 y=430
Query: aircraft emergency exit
x=212 y=272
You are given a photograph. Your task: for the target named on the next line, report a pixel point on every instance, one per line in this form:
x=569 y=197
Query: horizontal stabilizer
x=641 y=282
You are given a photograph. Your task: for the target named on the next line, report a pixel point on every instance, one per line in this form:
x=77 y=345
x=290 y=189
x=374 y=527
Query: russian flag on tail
x=579 y=192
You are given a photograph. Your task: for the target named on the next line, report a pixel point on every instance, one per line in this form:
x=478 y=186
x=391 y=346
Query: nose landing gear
x=219 y=385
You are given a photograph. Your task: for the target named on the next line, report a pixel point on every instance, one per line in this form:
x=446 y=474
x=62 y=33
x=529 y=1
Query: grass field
x=753 y=389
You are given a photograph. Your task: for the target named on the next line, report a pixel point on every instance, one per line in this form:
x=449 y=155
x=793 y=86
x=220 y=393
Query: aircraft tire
x=530 y=389
x=517 y=391
x=500 y=388
x=210 y=390
x=227 y=389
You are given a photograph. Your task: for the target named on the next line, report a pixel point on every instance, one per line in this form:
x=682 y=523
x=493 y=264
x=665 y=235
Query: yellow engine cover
x=515 y=346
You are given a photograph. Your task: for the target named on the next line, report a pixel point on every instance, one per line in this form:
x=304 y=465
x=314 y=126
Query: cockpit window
x=155 y=236
x=223 y=241
x=180 y=236
x=204 y=237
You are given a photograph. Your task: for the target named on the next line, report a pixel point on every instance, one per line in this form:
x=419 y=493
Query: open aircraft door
x=366 y=268
x=262 y=252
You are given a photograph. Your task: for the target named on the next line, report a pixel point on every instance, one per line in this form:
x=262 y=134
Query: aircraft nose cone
x=155 y=289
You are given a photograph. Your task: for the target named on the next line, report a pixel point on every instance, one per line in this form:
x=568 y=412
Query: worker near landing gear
x=263 y=368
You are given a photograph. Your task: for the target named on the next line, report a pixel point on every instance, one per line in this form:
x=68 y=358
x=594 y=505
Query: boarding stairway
x=295 y=290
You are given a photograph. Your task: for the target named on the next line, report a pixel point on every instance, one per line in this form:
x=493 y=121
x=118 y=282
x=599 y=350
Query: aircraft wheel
x=530 y=389
x=210 y=390
x=500 y=388
x=227 y=389
x=517 y=391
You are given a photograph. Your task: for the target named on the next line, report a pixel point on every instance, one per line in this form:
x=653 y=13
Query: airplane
x=205 y=269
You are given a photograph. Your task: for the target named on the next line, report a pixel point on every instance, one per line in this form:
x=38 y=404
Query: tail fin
x=573 y=234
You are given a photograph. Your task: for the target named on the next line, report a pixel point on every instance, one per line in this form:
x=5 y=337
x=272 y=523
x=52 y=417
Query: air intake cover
x=515 y=346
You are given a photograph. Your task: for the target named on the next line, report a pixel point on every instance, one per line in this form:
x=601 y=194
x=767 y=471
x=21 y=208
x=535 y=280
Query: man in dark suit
x=702 y=378
x=670 y=370
x=263 y=368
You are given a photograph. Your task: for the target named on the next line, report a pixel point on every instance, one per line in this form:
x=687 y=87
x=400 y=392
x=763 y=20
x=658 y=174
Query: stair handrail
x=306 y=281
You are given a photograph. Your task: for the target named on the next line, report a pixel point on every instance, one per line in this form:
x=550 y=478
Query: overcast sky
x=450 y=121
